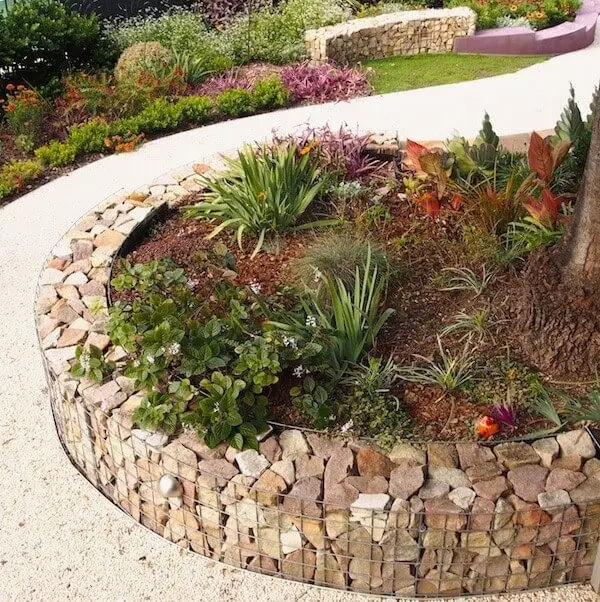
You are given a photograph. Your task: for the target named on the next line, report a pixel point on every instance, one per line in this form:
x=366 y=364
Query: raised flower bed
x=432 y=519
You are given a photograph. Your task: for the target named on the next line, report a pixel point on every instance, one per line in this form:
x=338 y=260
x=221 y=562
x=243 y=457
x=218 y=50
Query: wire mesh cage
x=411 y=548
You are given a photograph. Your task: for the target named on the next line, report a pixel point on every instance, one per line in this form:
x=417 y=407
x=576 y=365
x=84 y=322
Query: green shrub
x=236 y=103
x=141 y=57
x=262 y=191
x=197 y=109
x=56 y=153
x=272 y=34
x=184 y=33
x=14 y=175
x=158 y=116
x=277 y=35
x=89 y=137
x=270 y=93
x=42 y=39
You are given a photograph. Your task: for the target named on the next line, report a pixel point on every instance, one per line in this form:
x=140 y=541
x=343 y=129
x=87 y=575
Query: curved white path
x=59 y=538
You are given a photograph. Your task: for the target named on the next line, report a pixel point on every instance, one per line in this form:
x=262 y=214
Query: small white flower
x=311 y=321
x=290 y=342
x=191 y=284
x=317 y=275
x=346 y=427
x=298 y=371
x=149 y=359
x=84 y=360
x=255 y=287
x=174 y=349
x=136 y=363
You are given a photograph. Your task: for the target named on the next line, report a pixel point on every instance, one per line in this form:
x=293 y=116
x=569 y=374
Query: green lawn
x=422 y=70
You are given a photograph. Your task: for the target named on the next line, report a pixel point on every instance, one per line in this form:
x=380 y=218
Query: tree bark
x=582 y=258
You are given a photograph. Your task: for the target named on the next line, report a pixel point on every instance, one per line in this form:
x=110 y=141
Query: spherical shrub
x=143 y=56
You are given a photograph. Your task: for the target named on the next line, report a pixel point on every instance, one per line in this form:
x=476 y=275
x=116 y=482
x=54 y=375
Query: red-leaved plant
x=435 y=164
x=543 y=159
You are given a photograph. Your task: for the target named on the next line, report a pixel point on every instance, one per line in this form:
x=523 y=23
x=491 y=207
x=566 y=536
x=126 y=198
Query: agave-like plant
x=263 y=190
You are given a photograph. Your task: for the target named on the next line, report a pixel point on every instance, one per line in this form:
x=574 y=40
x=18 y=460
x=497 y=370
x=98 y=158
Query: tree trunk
x=582 y=259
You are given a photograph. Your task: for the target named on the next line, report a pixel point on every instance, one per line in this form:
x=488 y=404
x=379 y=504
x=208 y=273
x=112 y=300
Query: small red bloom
x=486 y=427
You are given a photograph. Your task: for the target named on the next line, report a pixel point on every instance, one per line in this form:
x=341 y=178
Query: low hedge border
x=158 y=117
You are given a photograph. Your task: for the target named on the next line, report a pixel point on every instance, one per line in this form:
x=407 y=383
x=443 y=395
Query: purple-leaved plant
x=342 y=151
x=506 y=414
x=324 y=83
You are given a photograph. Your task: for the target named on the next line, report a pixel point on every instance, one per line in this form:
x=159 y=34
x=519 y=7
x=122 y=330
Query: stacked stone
x=442 y=518
x=394 y=34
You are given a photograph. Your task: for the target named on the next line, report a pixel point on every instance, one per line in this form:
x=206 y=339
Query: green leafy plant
x=56 y=154
x=90 y=362
x=228 y=412
x=526 y=236
x=447 y=371
x=477 y=159
x=163 y=410
x=367 y=406
x=270 y=93
x=236 y=103
x=14 y=176
x=313 y=399
x=543 y=405
x=375 y=216
x=42 y=39
x=265 y=190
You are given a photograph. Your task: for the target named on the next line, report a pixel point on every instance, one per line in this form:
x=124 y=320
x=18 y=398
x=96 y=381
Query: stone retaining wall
x=421 y=520
x=394 y=34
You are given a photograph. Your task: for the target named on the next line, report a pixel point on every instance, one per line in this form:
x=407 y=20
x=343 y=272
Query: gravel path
x=59 y=538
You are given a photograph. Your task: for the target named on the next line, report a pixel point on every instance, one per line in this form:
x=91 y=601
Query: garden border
x=236 y=507
x=566 y=37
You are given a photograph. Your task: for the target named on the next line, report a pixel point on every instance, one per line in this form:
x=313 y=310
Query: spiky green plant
x=350 y=315
x=465 y=279
x=263 y=191
x=447 y=371
x=526 y=236
x=468 y=324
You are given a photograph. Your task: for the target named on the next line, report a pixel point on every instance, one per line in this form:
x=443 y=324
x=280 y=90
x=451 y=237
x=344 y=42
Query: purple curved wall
x=519 y=40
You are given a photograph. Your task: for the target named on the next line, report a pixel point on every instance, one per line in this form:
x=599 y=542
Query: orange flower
x=486 y=427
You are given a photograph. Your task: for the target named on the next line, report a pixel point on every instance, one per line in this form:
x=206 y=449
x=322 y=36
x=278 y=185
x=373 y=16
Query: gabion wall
x=439 y=519
x=393 y=34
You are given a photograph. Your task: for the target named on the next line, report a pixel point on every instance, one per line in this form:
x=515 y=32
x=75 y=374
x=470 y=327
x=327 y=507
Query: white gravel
x=59 y=538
